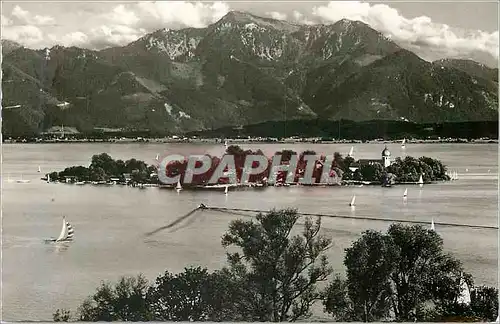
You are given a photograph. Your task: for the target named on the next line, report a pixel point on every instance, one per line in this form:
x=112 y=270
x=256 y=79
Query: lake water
x=110 y=222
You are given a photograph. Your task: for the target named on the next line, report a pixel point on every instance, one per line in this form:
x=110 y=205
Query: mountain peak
x=240 y=17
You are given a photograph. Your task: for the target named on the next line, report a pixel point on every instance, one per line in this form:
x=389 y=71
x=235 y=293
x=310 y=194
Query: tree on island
x=409 y=169
x=103 y=167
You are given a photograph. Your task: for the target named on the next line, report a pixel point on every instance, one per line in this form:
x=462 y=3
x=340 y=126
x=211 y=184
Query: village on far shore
x=384 y=171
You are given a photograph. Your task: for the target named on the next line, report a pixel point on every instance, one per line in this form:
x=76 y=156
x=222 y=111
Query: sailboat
x=353 y=200
x=403 y=146
x=464 y=297
x=157 y=157
x=226 y=145
x=66 y=234
x=351 y=151
x=39 y=169
x=226 y=190
x=432 y=225
x=405 y=194
x=22 y=180
x=178 y=187
x=420 y=181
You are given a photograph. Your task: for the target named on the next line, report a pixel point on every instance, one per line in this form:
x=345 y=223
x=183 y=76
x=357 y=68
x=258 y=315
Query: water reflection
x=58 y=248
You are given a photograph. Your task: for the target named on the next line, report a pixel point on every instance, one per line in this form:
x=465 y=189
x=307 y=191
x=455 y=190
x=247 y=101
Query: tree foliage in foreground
x=281 y=270
x=273 y=275
x=403 y=275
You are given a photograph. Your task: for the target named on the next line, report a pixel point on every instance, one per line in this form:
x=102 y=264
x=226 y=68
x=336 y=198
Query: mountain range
x=241 y=70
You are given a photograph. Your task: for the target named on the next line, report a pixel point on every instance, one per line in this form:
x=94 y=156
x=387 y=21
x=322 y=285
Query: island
x=104 y=170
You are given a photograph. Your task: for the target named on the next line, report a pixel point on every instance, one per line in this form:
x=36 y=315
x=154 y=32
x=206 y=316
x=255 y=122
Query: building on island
x=385 y=161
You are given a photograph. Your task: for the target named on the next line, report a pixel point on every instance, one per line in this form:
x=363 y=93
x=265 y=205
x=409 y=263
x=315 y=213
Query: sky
x=433 y=30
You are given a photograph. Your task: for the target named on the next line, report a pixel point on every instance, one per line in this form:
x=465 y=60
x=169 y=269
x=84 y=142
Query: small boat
x=80 y=183
x=226 y=190
x=405 y=194
x=351 y=151
x=353 y=200
x=39 y=169
x=432 y=225
x=66 y=234
x=178 y=187
x=420 y=181
x=403 y=146
x=157 y=157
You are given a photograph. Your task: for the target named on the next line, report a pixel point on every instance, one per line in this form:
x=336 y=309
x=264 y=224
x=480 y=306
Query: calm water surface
x=110 y=222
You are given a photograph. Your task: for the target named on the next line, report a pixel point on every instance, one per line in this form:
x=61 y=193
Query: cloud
x=416 y=33
x=121 y=16
x=113 y=35
x=277 y=15
x=174 y=14
x=71 y=39
x=126 y=23
x=25 y=35
x=26 y=18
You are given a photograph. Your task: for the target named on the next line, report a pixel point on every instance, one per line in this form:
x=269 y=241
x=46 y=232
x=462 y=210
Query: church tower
x=386 y=157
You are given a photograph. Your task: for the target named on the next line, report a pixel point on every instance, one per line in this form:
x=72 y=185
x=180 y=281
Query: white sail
x=48 y=178
x=39 y=169
x=353 y=200
x=67 y=232
x=178 y=187
x=403 y=143
x=226 y=145
x=70 y=232
x=464 y=297
x=226 y=190
x=63 y=231
x=432 y=225
x=157 y=157
x=420 y=180
x=351 y=151
x=405 y=194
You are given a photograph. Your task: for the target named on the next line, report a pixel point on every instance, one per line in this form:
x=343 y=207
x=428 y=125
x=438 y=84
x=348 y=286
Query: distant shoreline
x=246 y=141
